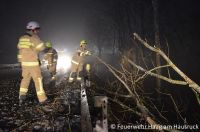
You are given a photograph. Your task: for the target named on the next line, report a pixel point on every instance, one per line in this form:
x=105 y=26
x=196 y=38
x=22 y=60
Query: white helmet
x=32 y=25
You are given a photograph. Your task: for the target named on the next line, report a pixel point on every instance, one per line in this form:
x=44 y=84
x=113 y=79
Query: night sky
x=66 y=22
x=62 y=22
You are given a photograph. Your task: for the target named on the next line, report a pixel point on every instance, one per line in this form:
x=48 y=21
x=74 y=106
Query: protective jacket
x=78 y=59
x=51 y=57
x=29 y=46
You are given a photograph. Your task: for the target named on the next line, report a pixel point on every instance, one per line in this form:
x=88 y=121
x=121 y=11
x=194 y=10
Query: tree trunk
x=100 y=51
x=114 y=43
x=157 y=42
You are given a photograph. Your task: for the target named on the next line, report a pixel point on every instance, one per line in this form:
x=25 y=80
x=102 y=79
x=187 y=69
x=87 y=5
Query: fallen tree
x=186 y=80
x=132 y=78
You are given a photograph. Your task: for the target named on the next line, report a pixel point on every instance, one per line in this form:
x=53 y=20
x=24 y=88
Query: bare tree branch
x=151 y=71
x=191 y=83
x=156 y=75
x=145 y=112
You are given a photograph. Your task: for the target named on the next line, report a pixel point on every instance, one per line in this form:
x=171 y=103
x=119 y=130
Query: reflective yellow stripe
x=24 y=39
x=71 y=79
x=40 y=93
x=87 y=52
x=78 y=78
x=25 y=43
x=24 y=90
x=82 y=53
x=88 y=67
x=41 y=90
x=40 y=46
x=19 y=56
x=30 y=63
x=23 y=47
x=75 y=62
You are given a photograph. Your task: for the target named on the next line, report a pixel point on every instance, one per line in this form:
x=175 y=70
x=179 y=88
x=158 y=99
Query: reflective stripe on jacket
x=30 y=63
x=29 y=46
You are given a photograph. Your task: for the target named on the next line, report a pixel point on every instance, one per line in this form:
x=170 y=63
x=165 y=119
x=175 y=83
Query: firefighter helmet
x=32 y=25
x=48 y=45
x=83 y=42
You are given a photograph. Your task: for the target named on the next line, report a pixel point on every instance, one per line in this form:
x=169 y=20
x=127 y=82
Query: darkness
x=65 y=23
x=108 y=26
x=62 y=22
x=181 y=26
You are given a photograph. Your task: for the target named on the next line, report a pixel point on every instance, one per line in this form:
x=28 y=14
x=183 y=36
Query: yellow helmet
x=83 y=42
x=48 y=45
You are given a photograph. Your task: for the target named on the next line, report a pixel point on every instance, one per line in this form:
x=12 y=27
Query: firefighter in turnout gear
x=51 y=57
x=77 y=61
x=29 y=45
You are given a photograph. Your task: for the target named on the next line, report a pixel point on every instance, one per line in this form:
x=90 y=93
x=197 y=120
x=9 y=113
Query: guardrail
x=86 y=124
x=9 y=66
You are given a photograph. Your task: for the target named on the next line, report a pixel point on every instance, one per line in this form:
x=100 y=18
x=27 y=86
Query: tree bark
x=157 y=41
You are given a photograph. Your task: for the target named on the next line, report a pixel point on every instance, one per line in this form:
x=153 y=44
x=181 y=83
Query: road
x=65 y=101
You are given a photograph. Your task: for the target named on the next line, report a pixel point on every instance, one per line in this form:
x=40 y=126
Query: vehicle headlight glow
x=64 y=62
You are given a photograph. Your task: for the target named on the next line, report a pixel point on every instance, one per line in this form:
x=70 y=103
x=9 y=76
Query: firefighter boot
x=45 y=106
x=78 y=78
x=71 y=79
x=21 y=99
x=53 y=77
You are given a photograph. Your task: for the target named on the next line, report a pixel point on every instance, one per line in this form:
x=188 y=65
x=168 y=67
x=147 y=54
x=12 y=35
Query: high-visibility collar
x=29 y=33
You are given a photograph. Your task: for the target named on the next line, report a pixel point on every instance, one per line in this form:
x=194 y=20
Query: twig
x=175 y=106
x=159 y=67
x=124 y=106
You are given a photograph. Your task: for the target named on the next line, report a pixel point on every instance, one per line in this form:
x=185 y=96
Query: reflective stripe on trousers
x=33 y=72
x=41 y=90
x=23 y=90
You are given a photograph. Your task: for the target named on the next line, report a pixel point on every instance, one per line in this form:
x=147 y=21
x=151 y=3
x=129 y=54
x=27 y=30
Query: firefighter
x=77 y=61
x=29 y=46
x=51 y=57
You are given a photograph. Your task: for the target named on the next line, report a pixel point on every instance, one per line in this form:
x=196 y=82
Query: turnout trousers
x=52 y=69
x=28 y=73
